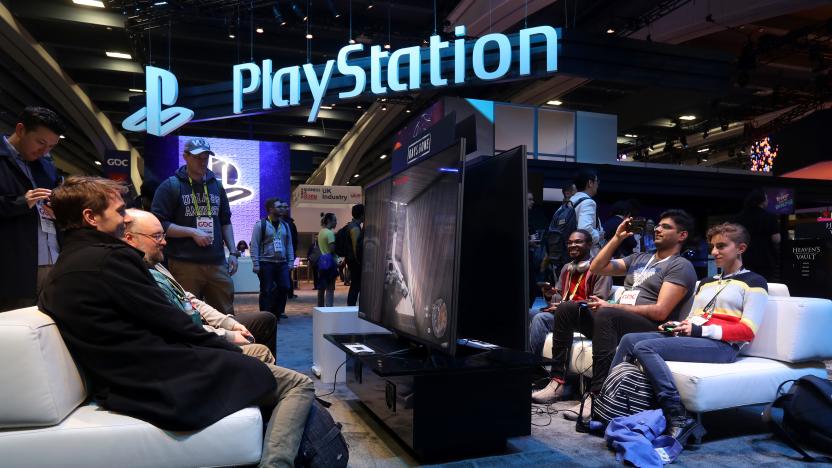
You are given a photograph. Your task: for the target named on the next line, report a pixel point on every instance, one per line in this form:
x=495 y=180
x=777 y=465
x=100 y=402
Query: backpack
x=807 y=415
x=625 y=392
x=322 y=444
x=564 y=222
x=343 y=242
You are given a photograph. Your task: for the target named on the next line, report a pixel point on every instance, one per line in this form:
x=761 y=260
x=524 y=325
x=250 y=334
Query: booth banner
x=326 y=195
x=117 y=165
x=439 y=136
x=808 y=267
x=780 y=200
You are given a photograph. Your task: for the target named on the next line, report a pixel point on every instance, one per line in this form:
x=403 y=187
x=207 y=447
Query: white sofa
x=47 y=420
x=791 y=341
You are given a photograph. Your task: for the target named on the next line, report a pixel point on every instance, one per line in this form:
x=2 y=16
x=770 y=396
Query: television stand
x=442 y=407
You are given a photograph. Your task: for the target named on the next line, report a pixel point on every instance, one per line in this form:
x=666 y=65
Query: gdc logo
x=203 y=224
x=118 y=162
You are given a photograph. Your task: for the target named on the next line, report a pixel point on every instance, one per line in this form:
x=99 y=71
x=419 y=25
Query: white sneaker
x=572 y=413
x=548 y=394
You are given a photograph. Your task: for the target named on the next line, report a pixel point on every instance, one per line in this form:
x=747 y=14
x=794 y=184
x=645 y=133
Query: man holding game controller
x=144 y=232
x=658 y=288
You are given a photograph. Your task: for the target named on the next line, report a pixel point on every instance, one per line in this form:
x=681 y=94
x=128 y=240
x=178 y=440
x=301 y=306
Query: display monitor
x=411 y=249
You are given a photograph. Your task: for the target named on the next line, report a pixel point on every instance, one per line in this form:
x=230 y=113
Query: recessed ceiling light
x=687 y=117
x=355 y=176
x=631 y=135
x=383 y=156
x=610 y=31
x=384 y=107
x=352 y=41
x=407 y=110
x=554 y=102
x=231 y=36
x=63 y=137
x=135 y=90
x=702 y=150
x=119 y=55
x=160 y=3
x=386 y=46
x=326 y=107
x=283 y=23
x=92 y=3
x=704 y=159
x=97 y=162
x=358 y=107
x=309 y=36
x=259 y=30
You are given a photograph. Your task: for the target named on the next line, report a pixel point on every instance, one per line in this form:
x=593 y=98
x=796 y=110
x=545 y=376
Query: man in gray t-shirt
x=658 y=288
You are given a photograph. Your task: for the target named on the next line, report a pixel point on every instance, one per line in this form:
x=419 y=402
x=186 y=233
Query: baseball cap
x=198 y=146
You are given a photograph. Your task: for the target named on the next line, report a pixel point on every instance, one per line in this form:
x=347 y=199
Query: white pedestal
x=326 y=357
x=245 y=281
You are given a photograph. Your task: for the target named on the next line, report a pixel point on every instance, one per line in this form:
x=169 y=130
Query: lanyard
x=575 y=289
x=639 y=277
x=208 y=210
x=710 y=307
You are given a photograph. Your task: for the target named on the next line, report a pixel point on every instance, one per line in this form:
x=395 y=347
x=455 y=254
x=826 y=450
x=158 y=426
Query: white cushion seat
x=748 y=381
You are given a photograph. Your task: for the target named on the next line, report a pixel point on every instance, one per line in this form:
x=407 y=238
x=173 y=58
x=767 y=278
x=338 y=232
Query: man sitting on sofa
x=144 y=232
x=658 y=288
x=142 y=356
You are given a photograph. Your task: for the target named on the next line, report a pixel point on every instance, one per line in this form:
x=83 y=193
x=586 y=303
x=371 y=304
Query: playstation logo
x=162 y=89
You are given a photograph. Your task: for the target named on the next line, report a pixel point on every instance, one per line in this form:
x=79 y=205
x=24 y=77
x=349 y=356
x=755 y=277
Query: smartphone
x=638 y=224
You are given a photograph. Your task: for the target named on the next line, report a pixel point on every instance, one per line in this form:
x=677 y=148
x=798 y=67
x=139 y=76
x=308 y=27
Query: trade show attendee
x=271 y=258
x=144 y=232
x=193 y=208
x=586 y=212
x=283 y=212
x=27 y=231
x=328 y=261
x=658 y=288
x=242 y=247
x=556 y=253
x=620 y=210
x=764 y=232
x=576 y=284
x=354 y=258
x=141 y=355
x=726 y=312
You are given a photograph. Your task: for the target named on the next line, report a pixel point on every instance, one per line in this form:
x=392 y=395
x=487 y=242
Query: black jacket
x=142 y=356
x=19 y=225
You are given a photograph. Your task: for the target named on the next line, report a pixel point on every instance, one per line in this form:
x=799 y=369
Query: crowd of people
x=661 y=313
x=179 y=357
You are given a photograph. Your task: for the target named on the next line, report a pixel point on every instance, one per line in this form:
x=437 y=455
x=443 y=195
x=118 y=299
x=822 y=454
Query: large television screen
x=494 y=273
x=411 y=245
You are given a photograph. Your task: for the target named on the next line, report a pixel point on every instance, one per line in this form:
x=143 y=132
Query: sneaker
x=549 y=394
x=572 y=413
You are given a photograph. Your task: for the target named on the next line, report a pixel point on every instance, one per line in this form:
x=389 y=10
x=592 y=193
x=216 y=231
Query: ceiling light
x=160 y=3
x=338 y=15
x=355 y=176
x=326 y=107
x=283 y=23
x=386 y=46
x=384 y=107
x=92 y=3
x=407 y=110
x=631 y=135
x=610 y=31
x=135 y=90
x=687 y=117
x=383 y=156
x=309 y=36
x=370 y=6
x=352 y=41
x=97 y=162
x=554 y=102
x=704 y=159
x=63 y=137
x=702 y=150
x=119 y=55
x=259 y=30
x=231 y=36
x=358 y=107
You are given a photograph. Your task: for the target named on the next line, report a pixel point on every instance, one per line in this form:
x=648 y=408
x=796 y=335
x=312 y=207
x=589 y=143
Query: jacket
x=19 y=225
x=142 y=357
x=587 y=217
x=262 y=249
x=638 y=439
x=172 y=204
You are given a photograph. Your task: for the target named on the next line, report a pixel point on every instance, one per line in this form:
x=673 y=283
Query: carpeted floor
x=736 y=437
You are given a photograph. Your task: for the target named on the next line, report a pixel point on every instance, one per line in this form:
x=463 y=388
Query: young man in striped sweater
x=726 y=312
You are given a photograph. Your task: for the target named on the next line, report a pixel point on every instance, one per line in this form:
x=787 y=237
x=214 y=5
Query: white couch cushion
x=794 y=329
x=40 y=383
x=778 y=289
x=748 y=381
x=580 y=361
x=93 y=437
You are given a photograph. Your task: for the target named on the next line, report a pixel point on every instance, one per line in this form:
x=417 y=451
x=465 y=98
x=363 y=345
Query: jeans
x=542 y=323
x=208 y=282
x=290 y=402
x=274 y=287
x=326 y=292
x=652 y=349
x=355 y=282
x=263 y=327
x=605 y=326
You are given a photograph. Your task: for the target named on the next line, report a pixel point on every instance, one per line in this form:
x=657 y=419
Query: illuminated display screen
x=250 y=171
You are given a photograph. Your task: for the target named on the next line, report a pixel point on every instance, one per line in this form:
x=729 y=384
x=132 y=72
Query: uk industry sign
x=491 y=57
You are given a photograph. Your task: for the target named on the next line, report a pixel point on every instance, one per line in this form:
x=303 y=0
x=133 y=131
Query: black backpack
x=807 y=415
x=343 y=242
x=564 y=222
x=625 y=392
x=322 y=444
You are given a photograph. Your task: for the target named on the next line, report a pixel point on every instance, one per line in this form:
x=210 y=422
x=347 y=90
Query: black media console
x=442 y=407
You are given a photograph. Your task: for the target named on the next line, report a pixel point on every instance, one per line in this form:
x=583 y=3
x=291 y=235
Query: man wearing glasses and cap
x=193 y=208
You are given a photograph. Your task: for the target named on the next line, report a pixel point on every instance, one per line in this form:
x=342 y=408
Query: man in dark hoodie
x=193 y=208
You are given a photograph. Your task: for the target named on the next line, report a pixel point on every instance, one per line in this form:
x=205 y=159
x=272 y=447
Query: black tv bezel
x=459 y=145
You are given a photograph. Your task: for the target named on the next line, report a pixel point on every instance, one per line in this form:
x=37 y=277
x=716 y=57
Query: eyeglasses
x=158 y=237
x=665 y=227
